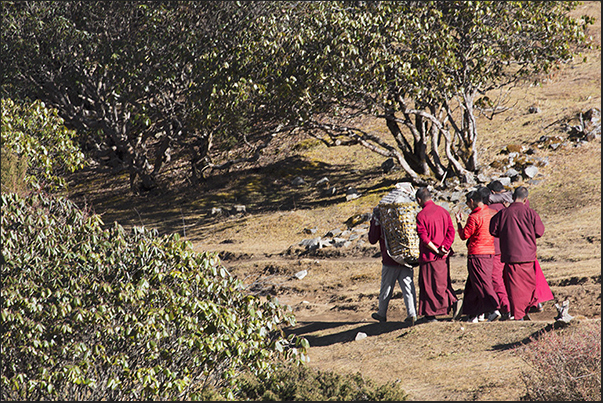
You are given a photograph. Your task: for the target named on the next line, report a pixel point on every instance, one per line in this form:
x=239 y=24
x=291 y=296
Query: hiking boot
x=473 y=319
x=537 y=308
x=527 y=317
x=457 y=309
x=378 y=317
x=411 y=320
x=482 y=318
x=495 y=315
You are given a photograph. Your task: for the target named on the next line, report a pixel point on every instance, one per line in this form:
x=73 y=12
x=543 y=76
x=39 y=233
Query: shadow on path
x=304 y=329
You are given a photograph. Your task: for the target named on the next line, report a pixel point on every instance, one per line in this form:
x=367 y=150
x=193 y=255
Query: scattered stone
x=562 y=310
x=298 y=181
x=360 y=336
x=333 y=232
x=311 y=231
x=534 y=109
x=329 y=192
x=323 y=182
x=505 y=181
x=482 y=178
x=388 y=165
x=445 y=205
x=301 y=274
x=511 y=173
x=239 y=209
x=530 y=171
x=216 y=211
x=351 y=194
x=357 y=219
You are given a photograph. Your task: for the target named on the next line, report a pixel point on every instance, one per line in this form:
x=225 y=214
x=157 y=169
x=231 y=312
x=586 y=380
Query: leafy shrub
x=93 y=314
x=38 y=134
x=13 y=171
x=566 y=364
x=300 y=383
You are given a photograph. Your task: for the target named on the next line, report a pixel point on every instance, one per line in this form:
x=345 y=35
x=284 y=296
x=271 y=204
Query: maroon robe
x=498 y=283
x=436 y=294
x=479 y=296
x=520 y=280
x=517 y=227
x=497 y=268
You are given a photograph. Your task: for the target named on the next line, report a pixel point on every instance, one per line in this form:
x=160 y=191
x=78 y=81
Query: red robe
x=436 y=295
x=497 y=268
x=518 y=227
x=543 y=290
x=520 y=280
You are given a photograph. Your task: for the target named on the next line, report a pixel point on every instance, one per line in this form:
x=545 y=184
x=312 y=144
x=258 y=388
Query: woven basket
x=399 y=226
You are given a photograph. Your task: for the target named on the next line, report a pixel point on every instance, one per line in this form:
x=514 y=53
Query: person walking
x=518 y=227
x=480 y=298
x=497 y=199
x=392 y=271
x=436 y=235
x=500 y=198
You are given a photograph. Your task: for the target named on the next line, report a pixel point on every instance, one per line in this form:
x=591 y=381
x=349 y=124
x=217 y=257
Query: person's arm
x=495 y=225
x=449 y=237
x=375 y=229
x=538 y=226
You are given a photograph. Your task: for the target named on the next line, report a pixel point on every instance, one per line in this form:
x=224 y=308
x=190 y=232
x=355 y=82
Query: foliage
x=13 y=170
x=428 y=66
x=138 y=79
x=566 y=364
x=301 y=383
x=144 y=80
x=93 y=314
x=37 y=135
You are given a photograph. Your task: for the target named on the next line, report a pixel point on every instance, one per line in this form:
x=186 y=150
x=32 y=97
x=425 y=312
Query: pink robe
x=543 y=291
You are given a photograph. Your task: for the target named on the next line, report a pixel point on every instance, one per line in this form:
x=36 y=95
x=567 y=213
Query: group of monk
x=504 y=280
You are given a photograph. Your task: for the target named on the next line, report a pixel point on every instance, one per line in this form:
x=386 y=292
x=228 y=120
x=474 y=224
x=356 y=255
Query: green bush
x=38 y=134
x=93 y=314
x=566 y=364
x=300 y=383
x=13 y=170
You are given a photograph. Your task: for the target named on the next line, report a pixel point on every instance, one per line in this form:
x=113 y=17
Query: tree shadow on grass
x=529 y=339
x=344 y=336
x=305 y=329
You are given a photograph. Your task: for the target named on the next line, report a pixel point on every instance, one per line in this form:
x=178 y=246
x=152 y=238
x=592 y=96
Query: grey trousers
x=404 y=276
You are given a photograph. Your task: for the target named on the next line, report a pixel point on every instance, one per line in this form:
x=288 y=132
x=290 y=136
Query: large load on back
x=398 y=211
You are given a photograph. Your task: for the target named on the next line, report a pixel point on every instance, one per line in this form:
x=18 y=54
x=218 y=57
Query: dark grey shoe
x=378 y=317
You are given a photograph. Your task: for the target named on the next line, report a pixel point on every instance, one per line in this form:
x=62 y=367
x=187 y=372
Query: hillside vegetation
x=333 y=302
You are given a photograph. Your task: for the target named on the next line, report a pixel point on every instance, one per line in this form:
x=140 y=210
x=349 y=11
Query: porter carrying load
x=398 y=212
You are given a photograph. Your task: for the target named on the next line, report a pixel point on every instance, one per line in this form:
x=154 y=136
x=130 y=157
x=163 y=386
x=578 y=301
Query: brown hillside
x=333 y=302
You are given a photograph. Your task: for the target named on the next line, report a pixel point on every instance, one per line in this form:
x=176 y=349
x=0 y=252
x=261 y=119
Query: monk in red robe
x=498 y=200
x=501 y=198
x=518 y=227
x=480 y=299
x=436 y=235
